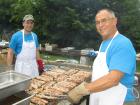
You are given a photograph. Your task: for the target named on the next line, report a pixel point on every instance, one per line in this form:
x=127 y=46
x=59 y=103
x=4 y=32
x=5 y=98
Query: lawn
x=57 y=57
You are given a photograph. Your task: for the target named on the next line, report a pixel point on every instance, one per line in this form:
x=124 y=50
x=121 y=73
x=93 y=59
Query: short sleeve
x=123 y=58
x=13 y=42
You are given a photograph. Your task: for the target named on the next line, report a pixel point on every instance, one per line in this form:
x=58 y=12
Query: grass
x=56 y=57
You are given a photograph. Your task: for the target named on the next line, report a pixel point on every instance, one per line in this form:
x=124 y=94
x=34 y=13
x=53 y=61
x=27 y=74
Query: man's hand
x=9 y=67
x=37 y=55
x=77 y=93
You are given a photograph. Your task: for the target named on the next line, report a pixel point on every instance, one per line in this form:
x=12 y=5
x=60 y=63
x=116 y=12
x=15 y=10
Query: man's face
x=28 y=25
x=105 y=23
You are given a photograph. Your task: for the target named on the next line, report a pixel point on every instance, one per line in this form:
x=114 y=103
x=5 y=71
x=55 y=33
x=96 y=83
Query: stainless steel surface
x=12 y=82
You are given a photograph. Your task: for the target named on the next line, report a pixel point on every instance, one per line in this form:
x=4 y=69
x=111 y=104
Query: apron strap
x=109 y=43
x=23 y=35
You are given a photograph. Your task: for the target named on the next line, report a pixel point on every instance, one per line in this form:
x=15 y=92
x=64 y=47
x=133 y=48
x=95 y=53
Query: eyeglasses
x=103 y=21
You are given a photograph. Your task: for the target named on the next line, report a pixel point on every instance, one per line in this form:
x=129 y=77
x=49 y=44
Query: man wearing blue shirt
x=113 y=68
x=24 y=44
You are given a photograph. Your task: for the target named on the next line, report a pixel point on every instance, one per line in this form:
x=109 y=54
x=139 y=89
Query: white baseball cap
x=28 y=17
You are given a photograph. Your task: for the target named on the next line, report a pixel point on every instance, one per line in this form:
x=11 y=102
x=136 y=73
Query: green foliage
x=130 y=21
x=70 y=22
x=5 y=14
x=128 y=13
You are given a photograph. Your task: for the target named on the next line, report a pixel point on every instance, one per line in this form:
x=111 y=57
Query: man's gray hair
x=108 y=10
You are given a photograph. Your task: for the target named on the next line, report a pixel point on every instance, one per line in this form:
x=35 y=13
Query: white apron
x=26 y=59
x=112 y=96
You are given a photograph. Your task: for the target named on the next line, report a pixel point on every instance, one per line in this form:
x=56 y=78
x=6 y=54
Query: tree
x=5 y=14
x=70 y=22
x=128 y=13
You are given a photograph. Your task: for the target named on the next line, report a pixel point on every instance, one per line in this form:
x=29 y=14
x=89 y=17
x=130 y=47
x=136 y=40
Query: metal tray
x=12 y=82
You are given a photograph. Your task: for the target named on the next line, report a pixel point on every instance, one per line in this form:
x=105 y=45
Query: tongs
x=57 y=97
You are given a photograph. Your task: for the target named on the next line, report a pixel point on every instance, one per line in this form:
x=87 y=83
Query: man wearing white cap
x=24 y=44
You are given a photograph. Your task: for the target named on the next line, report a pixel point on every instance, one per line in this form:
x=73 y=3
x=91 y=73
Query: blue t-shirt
x=17 y=40
x=122 y=56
